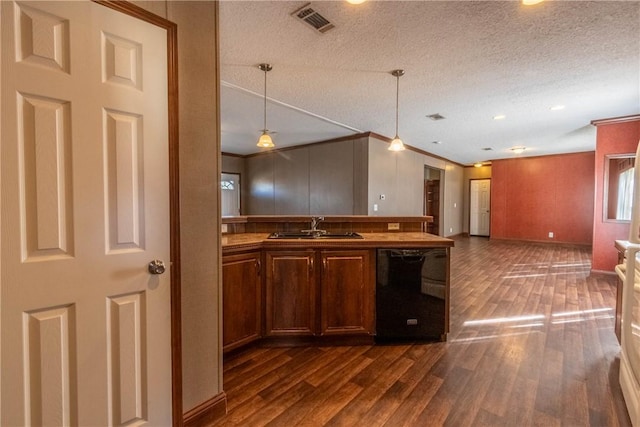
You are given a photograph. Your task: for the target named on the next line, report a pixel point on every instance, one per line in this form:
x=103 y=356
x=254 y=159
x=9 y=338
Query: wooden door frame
x=174 y=195
x=470 y=181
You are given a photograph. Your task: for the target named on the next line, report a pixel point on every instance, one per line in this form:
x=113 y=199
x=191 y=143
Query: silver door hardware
x=156 y=267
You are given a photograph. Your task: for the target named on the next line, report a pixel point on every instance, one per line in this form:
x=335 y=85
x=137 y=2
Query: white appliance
x=630 y=335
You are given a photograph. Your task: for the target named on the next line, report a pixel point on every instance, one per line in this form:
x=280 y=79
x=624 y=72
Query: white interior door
x=480 y=207
x=85 y=328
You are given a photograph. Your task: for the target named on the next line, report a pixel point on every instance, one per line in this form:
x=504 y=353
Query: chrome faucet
x=315 y=220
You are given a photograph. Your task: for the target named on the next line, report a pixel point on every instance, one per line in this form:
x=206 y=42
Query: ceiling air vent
x=307 y=14
x=436 y=116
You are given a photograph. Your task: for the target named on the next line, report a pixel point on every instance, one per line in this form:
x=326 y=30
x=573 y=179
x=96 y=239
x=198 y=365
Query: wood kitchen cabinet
x=241 y=299
x=336 y=299
x=290 y=289
x=347 y=292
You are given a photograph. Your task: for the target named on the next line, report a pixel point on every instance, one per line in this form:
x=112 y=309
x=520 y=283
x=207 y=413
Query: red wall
x=612 y=138
x=532 y=196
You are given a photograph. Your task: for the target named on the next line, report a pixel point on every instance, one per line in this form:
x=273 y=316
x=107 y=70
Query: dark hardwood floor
x=531 y=344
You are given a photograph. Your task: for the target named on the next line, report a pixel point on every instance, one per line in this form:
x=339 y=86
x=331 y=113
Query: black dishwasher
x=411 y=294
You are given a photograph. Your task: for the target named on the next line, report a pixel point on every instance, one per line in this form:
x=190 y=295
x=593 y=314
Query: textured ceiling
x=466 y=60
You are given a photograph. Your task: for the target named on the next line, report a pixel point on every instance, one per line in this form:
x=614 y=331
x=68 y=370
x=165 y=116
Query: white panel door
x=85 y=328
x=480 y=207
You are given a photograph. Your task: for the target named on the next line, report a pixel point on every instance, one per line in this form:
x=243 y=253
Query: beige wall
x=396 y=176
x=199 y=194
x=400 y=177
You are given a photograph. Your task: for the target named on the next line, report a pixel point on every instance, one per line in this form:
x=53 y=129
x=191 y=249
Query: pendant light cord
x=397 y=103
x=265 y=99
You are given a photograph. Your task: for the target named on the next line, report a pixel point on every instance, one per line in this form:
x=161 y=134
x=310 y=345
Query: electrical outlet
x=393 y=226
x=225 y=228
x=551 y=234
x=451 y=230
x=375 y=207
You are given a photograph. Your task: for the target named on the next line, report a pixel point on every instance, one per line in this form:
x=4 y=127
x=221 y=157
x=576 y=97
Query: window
x=625 y=195
x=230 y=188
x=618 y=187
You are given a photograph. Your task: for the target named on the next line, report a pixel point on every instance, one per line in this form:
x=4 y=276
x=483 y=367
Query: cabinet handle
x=311 y=265
x=258 y=267
x=324 y=264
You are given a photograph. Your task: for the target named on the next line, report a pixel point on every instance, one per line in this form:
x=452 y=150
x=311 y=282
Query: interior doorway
x=480 y=207
x=432 y=196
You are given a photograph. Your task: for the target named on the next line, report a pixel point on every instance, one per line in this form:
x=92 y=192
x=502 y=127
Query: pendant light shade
x=265 y=140
x=397 y=144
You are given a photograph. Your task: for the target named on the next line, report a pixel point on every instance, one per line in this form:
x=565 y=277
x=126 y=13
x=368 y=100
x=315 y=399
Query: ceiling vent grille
x=309 y=15
x=436 y=117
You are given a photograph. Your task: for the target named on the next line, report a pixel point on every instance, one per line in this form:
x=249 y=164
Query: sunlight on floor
x=534 y=269
x=533 y=321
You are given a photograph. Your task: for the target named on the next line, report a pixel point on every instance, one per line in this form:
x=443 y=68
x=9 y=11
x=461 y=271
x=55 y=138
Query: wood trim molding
x=241 y=156
x=543 y=156
x=615 y=120
x=417 y=150
x=174 y=195
x=206 y=412
x=344 y=138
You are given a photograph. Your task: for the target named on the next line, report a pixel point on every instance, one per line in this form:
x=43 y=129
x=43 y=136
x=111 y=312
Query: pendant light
x=265 y=140
x=396 y=144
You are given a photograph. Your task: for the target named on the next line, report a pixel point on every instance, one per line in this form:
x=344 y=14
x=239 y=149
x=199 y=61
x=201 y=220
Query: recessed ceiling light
x=477 y=165
x=499 y=117
x=356 y=1
x=436 y=142
x=531 y=2
x=518 y=150
x=557 y=108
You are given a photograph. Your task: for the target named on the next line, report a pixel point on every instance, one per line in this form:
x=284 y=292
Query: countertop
x=251 y=241
x=327 y=218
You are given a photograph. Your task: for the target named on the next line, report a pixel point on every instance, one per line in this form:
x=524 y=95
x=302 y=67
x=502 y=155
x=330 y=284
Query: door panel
x=85 y=329
x=480 y=207
x=290 y=290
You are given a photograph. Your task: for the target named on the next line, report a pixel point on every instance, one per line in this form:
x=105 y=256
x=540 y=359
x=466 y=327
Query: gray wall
x=348 y=178
x=400 y=177
x=320 y=179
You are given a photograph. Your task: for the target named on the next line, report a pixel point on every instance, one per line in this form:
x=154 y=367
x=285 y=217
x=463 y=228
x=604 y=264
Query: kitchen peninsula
x=291 y=291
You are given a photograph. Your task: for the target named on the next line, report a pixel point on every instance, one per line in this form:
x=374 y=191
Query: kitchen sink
x=313 y=235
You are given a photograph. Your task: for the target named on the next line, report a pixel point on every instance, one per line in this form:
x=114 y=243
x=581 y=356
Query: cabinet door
x=290 y=293
x=348 y=292
x=241 y=300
